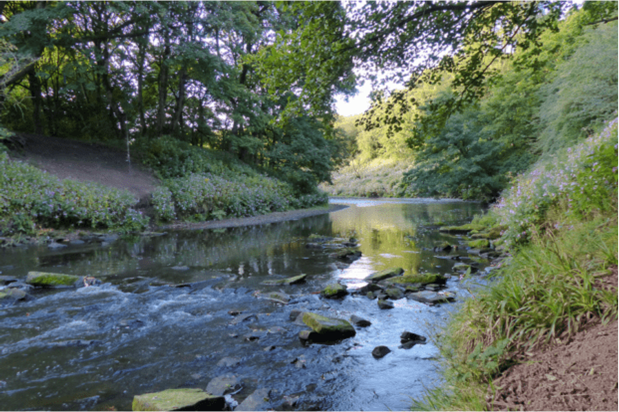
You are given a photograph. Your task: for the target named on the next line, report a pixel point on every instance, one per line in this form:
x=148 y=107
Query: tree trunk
x=163 y=84
x=35 y=93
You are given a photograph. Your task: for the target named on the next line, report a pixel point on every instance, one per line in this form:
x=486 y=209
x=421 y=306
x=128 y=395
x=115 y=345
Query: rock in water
x=179 y=400
x=224 y=384
x=51 y=279
x=385 y=304
x=257 y=401
x=410 y=339
x=334 y=291
x=287 y=281
x=328 y=329
x=384 y=274
x=380 y=351
x=359 y=321
x=347 y=254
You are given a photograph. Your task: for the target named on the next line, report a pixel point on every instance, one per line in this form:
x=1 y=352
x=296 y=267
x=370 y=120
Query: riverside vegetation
x=524 y=114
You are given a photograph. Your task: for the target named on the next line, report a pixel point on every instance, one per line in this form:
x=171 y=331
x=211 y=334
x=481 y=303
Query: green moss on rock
x=51 y=279
x=334 y=290
x=479 y=243
x=329 y=328
x=464 y=229
x=179 y=400
x=418 y=279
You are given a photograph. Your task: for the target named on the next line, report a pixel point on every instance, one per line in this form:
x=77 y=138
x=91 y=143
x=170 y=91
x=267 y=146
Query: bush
x=206 y=197
x=31 y=197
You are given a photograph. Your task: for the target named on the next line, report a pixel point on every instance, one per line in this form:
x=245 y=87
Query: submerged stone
x=384 y=274
x=329 y=329
x=51 y=279
x=13 y=293
x=179 y=400
x=359 y=321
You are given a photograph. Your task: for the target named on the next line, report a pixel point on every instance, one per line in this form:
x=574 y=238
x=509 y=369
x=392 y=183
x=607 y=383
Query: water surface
x=161 y=319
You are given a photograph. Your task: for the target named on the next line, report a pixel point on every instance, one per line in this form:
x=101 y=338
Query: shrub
x=207 y=196
x=31 y=197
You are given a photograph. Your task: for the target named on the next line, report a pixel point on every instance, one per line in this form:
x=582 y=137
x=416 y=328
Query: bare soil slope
x=70 y=159
x=578 y=374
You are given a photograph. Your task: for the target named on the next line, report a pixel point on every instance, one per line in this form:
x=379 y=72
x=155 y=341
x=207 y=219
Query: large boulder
x=188 y=399
x=384 y=274
x=328 y=329
x=334 y=291
x=52 y=279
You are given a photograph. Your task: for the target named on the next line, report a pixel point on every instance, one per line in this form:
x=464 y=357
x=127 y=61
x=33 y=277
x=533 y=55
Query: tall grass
x=548 y=288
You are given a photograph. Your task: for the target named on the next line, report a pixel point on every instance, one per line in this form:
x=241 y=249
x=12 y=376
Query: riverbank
x=273 y=217
x=543 y=334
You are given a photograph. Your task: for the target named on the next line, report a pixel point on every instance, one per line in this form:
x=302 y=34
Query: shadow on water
x=161 y=319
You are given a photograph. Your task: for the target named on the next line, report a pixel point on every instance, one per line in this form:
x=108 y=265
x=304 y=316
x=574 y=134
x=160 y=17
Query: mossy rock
x=179 y=400
x=329 y=329
x=464 y=229
x=287 y=281
x=463 y=267
x=418 y=279
x=493 y=233
x=384 y=274
x=51 y=279
x=346 y=254
x=334 y=291
x=479 y=243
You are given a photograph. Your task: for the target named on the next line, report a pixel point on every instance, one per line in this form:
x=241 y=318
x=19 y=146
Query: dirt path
x=70 y=159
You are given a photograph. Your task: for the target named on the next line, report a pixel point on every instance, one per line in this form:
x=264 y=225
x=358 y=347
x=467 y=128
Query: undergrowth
x=31 y=199
x=547 y=289
x=200 y=184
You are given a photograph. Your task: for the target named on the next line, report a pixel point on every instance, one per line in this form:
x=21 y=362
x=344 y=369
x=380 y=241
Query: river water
x=161 y=318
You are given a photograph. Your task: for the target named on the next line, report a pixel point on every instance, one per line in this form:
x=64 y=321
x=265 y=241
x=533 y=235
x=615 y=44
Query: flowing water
x=161 y=318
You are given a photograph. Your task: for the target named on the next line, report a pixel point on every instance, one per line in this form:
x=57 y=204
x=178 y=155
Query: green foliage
x=170 y=158
x=583 y=92
x=31 y=198
x=545 y=292
x=463 y=161
x=202 y=197
x=377 y=178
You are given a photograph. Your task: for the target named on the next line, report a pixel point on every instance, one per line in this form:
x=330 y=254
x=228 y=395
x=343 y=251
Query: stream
x=166 y=313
